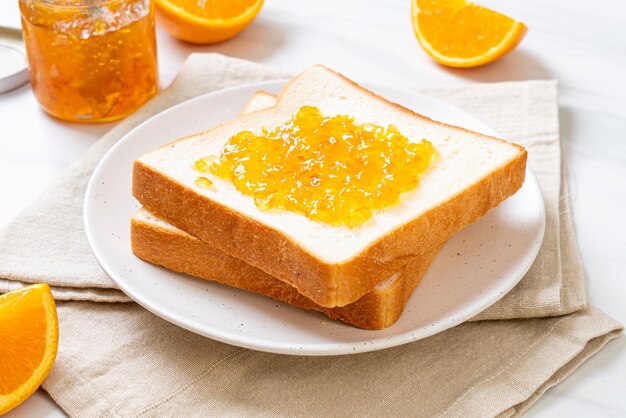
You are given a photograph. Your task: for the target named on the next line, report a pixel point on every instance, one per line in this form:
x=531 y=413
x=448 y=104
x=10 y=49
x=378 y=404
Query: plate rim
x=326 y=349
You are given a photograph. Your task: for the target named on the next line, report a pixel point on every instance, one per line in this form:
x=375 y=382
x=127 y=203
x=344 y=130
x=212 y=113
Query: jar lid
x=13 y=61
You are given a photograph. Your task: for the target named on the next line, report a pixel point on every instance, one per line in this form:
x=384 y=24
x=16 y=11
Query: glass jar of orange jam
x=90 y=60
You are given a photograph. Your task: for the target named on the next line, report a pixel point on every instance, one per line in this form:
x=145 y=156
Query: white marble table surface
x=580 y=43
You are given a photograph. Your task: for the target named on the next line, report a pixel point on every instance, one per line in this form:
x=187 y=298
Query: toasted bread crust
x=377 y=309
x=329 y=285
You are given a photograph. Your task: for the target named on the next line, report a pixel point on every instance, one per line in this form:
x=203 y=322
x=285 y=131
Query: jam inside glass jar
x=90 y=60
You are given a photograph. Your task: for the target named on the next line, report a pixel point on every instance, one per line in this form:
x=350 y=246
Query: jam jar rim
x=76 y=5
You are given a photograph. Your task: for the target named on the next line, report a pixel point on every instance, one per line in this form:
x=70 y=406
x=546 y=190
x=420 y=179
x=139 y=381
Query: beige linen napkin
x=49 y=235
x=116 y=359
x=119 y=360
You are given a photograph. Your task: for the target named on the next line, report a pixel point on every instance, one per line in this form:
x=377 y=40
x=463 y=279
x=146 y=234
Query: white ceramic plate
x=475 y=268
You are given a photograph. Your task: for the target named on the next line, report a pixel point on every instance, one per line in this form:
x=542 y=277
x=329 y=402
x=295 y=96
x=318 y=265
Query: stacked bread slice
x=364 y=275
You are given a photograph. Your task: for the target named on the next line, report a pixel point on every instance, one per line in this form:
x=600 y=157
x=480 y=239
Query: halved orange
x=458 y=33
x=206 y=21
x=29 y=337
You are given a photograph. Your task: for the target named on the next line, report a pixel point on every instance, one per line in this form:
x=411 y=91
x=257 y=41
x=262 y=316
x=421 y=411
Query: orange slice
x=458 y=33
x=29 y=336
x=206 y=21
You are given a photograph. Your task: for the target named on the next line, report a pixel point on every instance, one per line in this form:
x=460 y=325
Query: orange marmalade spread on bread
x=330 y=169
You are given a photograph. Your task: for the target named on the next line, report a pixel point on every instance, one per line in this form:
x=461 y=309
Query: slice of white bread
x=333 y=266
x=159 y=242
x=260 y=100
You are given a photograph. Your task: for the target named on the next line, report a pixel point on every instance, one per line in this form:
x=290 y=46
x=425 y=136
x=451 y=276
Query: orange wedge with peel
x=206 y=21
x=458 y=33
x=29 y=337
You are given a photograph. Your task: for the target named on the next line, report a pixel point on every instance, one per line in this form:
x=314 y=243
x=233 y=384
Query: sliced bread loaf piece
x=155 y=240
x=160 y=243
x=333 y=266
x=260 y=100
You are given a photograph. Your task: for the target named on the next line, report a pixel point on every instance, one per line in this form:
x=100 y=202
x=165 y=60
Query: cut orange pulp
x=29 y=336
x=458 y=33
x=206 y=21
